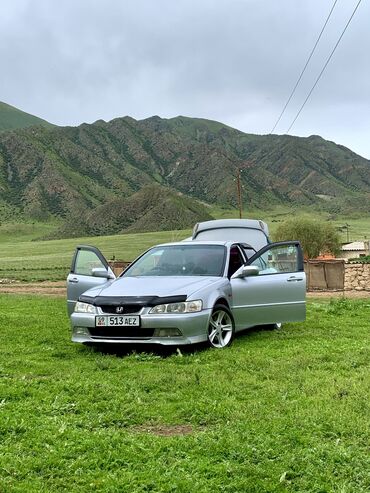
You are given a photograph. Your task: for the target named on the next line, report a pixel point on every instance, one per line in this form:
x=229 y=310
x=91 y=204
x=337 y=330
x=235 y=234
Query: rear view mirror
x=100 y=272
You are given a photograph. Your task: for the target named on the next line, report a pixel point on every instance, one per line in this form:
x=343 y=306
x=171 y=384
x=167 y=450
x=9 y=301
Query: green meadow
x=24 y=257
x=26 y=260
x=279 y=411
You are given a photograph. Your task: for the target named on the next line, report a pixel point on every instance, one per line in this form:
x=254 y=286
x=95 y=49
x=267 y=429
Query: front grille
x=121 y=333
x=126 y=309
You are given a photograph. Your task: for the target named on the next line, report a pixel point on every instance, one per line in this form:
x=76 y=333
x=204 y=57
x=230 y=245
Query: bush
x=315 y=236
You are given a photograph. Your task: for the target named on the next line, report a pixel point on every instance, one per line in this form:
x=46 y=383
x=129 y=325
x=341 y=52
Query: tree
x=315 y=236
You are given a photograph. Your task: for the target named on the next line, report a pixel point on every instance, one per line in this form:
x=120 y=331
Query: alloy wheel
x=221 y=328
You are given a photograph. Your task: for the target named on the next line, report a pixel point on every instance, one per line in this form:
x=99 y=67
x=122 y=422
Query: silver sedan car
x=185 y=293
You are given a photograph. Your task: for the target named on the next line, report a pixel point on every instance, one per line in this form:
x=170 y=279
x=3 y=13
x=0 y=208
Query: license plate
x=118 y=321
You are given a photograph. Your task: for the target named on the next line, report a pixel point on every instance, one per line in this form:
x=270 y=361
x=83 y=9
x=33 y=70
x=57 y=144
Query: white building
x=356 y=249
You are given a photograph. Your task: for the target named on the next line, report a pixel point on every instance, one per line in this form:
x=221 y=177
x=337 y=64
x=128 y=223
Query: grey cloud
x=231 y=60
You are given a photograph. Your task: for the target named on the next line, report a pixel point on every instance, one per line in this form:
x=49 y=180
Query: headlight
x=183 y=307
x=84 y=307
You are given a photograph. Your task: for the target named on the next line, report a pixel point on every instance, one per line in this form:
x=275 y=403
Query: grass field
x=51 y=260
x=279 y=411
x=24 y=258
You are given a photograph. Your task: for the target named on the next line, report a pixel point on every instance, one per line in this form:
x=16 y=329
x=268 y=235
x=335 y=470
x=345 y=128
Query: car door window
x=86 y=261
x=278 y=259
x=235 y=261
x=248 y=250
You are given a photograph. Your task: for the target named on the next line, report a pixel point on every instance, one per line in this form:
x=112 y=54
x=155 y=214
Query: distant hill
x=11 y=118
x=152 y=208
x=96 y=171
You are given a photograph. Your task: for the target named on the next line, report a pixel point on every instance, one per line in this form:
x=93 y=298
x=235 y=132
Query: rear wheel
x=221 y=327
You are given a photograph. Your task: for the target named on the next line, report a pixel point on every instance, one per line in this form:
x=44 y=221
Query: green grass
x=13 y=118
x=51 y=260
x=279 y=411
x=24 y=258
x=25 y=231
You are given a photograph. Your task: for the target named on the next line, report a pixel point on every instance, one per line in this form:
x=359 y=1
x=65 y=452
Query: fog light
x=81 y=331
x=171 y=332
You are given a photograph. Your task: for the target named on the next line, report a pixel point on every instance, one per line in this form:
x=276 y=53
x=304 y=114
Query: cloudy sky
x=235 y=61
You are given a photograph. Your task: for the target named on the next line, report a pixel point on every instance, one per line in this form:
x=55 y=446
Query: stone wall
x=357 y=277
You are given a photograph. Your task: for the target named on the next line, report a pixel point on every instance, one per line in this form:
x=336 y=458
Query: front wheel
x=221 y=327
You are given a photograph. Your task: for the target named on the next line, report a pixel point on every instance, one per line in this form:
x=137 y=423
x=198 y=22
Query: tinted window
x=235 y=261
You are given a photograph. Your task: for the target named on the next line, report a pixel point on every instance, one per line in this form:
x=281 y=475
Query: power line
x=324 y=67
x=304 y=68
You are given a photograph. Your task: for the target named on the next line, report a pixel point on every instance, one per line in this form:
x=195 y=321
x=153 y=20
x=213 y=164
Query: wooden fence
x=325 y=274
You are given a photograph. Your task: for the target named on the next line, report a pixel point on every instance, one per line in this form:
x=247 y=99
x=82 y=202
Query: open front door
x=277 y=293
x=89 y=269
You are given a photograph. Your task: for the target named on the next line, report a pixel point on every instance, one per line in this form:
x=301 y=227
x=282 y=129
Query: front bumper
x=193 y=328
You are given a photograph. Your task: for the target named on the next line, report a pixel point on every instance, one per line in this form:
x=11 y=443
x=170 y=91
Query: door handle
x=73 y=281
x=296 y=279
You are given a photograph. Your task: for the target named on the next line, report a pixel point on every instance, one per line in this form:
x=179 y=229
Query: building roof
x=355 y=246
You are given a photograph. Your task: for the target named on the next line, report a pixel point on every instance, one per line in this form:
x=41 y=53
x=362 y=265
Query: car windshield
x=180 y=260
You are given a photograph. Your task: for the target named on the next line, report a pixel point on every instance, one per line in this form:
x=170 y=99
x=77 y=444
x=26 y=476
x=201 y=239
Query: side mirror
x=247 y=271
x=100 y=272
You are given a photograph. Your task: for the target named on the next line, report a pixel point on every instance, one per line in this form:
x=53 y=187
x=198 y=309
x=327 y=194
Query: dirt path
x=58 y=288
x=339 y=294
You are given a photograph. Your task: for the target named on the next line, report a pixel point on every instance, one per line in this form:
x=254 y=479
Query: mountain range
x=157 y=173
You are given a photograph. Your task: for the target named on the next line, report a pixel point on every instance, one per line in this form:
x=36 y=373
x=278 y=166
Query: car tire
x=221 y=327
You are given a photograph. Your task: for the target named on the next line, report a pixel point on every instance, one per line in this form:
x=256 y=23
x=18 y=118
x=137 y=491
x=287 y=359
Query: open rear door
x=89 y=269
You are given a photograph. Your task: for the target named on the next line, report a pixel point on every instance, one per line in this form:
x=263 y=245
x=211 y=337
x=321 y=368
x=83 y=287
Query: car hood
x=152 y=286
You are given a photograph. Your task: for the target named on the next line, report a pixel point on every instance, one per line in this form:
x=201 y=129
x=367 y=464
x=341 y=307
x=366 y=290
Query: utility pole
x=239 y=193
x=346 y=228
x=343 y=228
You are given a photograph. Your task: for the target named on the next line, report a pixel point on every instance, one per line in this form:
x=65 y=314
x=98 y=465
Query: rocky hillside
x=95 y=169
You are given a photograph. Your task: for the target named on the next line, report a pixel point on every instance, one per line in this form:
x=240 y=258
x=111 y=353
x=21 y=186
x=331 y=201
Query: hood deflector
x=131 y=300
